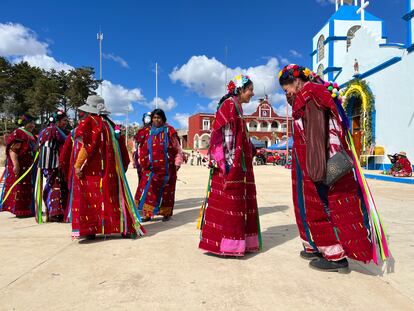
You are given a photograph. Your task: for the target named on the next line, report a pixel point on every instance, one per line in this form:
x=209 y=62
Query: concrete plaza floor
x=43 y=269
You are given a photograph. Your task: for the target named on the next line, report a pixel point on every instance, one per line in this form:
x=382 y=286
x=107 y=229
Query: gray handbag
x=337 y=167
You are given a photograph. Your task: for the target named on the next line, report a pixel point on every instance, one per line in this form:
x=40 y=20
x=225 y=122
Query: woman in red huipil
x=333 y=221
x=102 y=203
x=230 y=221
x=20 y=152
x=160 y=157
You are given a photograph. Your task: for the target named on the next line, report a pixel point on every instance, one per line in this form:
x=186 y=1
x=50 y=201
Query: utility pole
x=156 y=85
x=99 y=36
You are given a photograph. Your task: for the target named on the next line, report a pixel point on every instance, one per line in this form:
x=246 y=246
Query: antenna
x=156 y=85
x=99 y=36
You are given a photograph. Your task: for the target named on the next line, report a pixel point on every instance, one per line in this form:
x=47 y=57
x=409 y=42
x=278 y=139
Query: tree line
x=28 y=89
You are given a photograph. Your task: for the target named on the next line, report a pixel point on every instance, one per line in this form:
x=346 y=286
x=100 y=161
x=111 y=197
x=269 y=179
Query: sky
x=187 y=38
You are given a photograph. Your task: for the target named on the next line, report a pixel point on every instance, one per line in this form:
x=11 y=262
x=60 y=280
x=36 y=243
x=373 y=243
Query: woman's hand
x=78 y=173
x=16 y=169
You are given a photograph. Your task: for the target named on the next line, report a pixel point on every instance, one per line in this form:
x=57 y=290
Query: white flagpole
x=156 y=85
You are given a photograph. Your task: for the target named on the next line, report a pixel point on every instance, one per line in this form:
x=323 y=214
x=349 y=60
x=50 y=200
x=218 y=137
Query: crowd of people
x=86 y=183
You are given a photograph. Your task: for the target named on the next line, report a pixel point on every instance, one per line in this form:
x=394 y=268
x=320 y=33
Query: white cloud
x=117 y=59
x=295 y=53
x=182 y=119
x=43 y=61
x=119 y=99
x=280 y=109
x=20 y=43
x=17 y=40
x=166 y=105
x=206 y=76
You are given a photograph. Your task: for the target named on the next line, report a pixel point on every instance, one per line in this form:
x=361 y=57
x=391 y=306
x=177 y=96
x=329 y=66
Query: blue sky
x=186 y=38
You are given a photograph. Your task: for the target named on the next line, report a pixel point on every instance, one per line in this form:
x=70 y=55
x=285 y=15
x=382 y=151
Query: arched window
x=350 y=35
x=275 y=126
x=320 y=70
x=196 y=142
x=204 y=141
x=264 y=126
x=321 y=48
x=253 y=126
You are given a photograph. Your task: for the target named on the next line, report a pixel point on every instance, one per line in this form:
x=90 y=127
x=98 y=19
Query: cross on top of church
x=361 y=10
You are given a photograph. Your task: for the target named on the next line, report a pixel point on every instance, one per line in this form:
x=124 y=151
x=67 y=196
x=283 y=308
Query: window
x=275 y=126
x=252 y=126
x=320 y=71
x=264 y=126
x=350 y=35
x=321 y=48
x=206 y=125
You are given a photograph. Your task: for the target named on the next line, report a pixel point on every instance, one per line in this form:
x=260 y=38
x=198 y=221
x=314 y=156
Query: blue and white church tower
x=332 y=42
x=375 y=75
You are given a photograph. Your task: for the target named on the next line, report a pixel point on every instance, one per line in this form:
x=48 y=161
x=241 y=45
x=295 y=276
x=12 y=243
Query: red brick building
x=264 y=124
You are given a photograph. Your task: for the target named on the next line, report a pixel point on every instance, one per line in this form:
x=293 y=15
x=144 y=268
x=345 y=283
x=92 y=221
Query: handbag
x=338 y=166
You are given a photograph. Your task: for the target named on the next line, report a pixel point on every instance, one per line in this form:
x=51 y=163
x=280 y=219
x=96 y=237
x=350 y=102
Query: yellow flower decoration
x=307 y=72
x=280 y=73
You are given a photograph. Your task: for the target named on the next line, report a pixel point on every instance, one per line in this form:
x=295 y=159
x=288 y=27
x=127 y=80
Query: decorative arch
x=350 y=35
x=204 y=141
x=321 y=48
x=196 y=141
x=358 y=90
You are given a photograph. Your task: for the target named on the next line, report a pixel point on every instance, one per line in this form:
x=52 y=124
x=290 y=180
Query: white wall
x=365 y=48
x=394 y=103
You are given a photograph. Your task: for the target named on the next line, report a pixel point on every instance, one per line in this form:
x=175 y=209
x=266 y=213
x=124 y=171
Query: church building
x=375 y=75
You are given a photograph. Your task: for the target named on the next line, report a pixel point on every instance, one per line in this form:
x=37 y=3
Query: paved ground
x=43 y=269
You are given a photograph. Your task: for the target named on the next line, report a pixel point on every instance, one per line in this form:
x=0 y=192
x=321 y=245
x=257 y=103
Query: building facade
x=375 y=75
x=264 y=125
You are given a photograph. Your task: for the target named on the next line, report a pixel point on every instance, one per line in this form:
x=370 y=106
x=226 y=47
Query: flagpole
x=156 y=85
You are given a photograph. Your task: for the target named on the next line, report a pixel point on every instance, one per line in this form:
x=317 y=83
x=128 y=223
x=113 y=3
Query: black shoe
x=145 y=219
x=310 y=256
x=129 y=235
x=91 y=237
x=323 y=264
x=166 y=218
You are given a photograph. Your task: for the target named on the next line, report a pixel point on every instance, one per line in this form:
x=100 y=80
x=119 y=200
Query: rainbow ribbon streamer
x=378 y=233
x=200 y=220
x=377 y=230
x=124 y=188
x=38 y=196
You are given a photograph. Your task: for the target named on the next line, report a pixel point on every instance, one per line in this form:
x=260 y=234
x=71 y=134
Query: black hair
x=160 y=113
x=228 y=95
x=25 y=119
x=288 y=75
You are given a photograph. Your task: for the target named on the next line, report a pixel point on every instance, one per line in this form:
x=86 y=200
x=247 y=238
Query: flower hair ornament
x=294 y=71
x=237 y=83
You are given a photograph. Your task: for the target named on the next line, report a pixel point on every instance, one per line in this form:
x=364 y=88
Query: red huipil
x=159 y=155
x=402 y=168
x=230 y=224
x=20 y=200
x=67 y=157
x=51 y=141
x=99 y=205
x=330 y=221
